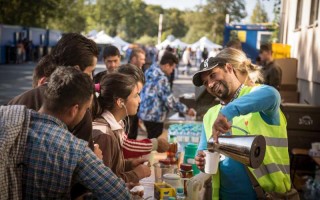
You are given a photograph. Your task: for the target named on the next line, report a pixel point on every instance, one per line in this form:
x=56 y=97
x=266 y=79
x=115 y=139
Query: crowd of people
x=74 y=135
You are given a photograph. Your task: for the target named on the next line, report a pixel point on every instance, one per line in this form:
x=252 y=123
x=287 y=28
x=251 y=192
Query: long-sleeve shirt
x=272 y=75
x=263 y=99
x=108 y=133
x=156 y=97
x=55 y=159
x=135 y=148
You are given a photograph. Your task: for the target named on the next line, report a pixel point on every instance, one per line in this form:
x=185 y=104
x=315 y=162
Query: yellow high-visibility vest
x=274 y=173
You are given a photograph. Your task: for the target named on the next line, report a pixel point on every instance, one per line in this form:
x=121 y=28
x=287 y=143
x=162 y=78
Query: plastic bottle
x=180 y=194
x=172 y=152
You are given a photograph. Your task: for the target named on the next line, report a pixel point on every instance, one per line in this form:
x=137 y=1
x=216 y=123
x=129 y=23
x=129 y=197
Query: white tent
x=178 y=43
x=164 y=44
x=204 y=42
x=92 y=33
x=102 y=38
x=119 y=41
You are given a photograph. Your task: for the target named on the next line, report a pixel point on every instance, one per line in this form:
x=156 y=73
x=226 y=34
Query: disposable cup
x=211 y=162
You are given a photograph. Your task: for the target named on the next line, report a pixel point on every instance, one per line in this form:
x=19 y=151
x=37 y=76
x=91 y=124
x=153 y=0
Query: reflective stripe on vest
x=271 y=168
x=276 y=142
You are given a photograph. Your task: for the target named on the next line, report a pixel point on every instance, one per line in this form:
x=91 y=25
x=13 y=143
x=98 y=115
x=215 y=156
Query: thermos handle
x=241 y=129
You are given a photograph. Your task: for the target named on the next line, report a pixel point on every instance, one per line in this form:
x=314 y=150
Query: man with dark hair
x=111 y=58
x=72 y=50
x=272 y=72
x=137 y=57
x=53 y=158
x=42 y=71
x=157 y=98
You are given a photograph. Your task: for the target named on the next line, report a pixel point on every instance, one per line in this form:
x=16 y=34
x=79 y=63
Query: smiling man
x=254 y=109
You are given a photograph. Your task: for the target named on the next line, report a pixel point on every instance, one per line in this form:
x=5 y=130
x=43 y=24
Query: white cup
x=211 y=162
x=316 y=146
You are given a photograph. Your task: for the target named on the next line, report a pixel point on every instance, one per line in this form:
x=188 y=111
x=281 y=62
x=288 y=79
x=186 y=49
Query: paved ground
x=17 y=78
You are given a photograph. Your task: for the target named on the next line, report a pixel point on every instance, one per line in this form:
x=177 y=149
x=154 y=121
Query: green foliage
x=214 y=13
x=147 y=40
x=276 y=20
x=259 y=14
x=133 y=20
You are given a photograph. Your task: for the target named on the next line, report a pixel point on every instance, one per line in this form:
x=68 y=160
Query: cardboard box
x=303 y=129
x=289 y=96
x=289 y=67
x=162 y=190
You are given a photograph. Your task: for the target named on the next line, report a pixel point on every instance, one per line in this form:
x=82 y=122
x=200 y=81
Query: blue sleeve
x=263 y=99
x=166 y=95
x=203 y=140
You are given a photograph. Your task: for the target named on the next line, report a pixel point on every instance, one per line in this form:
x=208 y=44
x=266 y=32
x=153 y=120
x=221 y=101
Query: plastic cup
x=211 y=162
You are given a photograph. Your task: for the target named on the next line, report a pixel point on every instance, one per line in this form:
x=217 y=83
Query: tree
x=212 y=16
x=197 y=26
x=259 y=14
x=28 y=12
x=173 y=23
x=65 y=15
x=136 y=21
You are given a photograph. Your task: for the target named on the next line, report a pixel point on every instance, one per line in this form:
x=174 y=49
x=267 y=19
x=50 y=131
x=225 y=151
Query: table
x=148 y=183
x=316 y=159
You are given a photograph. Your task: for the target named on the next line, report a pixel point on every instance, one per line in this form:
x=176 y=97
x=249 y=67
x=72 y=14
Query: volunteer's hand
x=163 y=145
x=220 y=126
x=191 y=112
x=131 y=185
x=138 y=161
x=142 y=171
x=97 y=151
x=200 y=160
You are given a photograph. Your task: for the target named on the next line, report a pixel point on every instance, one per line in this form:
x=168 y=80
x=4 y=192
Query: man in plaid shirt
x=54 y=159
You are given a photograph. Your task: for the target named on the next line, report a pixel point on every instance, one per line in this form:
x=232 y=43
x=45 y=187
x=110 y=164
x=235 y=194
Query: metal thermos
x=247 y=149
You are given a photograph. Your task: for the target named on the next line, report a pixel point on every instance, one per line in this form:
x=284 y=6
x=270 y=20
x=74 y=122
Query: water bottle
x=180 y=194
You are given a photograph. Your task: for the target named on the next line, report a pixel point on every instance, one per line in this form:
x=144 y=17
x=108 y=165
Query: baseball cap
x=207 y=65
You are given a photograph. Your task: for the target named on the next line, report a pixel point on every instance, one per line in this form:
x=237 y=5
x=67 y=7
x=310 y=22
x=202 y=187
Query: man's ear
x=229 y=67
x=73 y=111
x=41 y=81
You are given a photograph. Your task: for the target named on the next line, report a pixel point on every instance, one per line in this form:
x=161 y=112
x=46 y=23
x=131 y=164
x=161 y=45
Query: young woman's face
x=133 y=101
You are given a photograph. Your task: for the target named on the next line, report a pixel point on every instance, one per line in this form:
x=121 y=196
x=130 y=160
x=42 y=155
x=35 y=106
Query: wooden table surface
x=316 y=159
x=148 y=183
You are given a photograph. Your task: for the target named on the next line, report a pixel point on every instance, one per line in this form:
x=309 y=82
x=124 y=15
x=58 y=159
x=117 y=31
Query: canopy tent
x=178 y=43
x=92 y=33
x=163 y=44
x=204 y=42
x=102 y=38
x=119 y=41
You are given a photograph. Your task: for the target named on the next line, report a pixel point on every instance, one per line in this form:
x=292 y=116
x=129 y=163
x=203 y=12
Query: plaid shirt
x=55 y=159
x=156 y=97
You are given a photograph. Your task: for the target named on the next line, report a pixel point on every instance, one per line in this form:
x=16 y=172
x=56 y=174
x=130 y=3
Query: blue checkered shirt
x=54 y=160
x=156 y=97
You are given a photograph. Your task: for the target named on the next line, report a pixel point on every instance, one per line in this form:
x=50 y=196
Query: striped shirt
x=54 y=159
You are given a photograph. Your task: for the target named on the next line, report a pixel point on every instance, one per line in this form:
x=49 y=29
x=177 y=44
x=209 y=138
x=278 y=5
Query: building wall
x=305 y=46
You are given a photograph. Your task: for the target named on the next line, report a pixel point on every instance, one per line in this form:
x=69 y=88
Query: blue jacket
x=156 y=97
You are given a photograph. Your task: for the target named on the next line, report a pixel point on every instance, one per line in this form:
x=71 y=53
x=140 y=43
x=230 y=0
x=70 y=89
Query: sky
x=191 y=4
